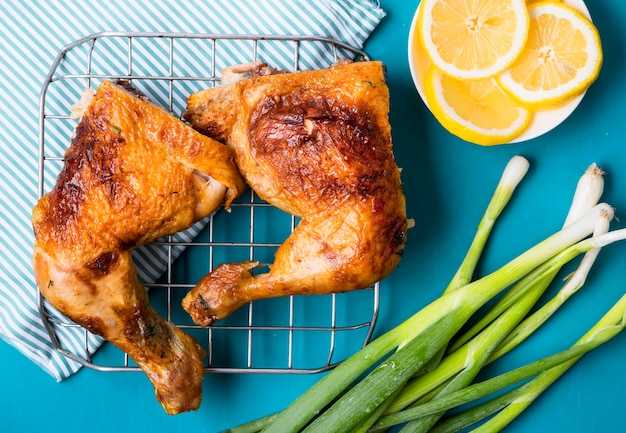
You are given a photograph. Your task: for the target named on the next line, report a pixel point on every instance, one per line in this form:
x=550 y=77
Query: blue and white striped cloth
x=31 y=35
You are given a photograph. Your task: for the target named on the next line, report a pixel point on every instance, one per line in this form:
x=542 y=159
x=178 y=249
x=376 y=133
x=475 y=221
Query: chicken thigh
x=316 y=144
x=132 y=174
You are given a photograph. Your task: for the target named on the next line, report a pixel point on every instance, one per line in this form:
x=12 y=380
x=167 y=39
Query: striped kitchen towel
x=31 y=35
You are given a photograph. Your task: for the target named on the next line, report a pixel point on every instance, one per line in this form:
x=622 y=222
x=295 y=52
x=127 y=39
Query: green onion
x=608 y=327
x=465 y=361
x=574 y=283
x=365 y=390
x=588 y=191
x=514 y=402
x=474 y=353
x=444 y=316
x=512 y=175
x=254 y=426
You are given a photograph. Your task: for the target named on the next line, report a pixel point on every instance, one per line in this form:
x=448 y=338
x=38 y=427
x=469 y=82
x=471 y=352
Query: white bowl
x=543 y=121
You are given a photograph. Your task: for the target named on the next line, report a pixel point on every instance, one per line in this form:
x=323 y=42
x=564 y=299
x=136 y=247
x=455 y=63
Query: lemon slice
x=478 y=111
x=472 y=39
x=562 y=57
x=529 y=2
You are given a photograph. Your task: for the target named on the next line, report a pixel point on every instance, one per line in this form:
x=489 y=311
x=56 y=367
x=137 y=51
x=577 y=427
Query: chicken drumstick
x=316 y=144
x=132 y=174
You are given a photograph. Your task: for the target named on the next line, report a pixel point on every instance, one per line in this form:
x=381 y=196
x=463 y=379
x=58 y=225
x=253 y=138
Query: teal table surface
x=448 y=183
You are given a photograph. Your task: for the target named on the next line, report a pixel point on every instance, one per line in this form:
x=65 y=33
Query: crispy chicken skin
x=132 y=174
x=316 y=144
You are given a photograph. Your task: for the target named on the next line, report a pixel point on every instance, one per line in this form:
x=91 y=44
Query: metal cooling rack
x=297 y=334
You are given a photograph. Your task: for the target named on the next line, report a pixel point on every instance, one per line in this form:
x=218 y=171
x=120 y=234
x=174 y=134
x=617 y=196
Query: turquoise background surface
x=448 y=184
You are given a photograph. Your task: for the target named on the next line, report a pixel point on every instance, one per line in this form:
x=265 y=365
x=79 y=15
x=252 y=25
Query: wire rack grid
x=296 y=334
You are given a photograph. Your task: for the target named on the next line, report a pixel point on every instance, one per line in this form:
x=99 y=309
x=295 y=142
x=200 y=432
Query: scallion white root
x=588 y=192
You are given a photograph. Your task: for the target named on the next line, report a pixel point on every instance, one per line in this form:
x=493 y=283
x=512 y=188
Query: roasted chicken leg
x=132 y=174
x=316 y=144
